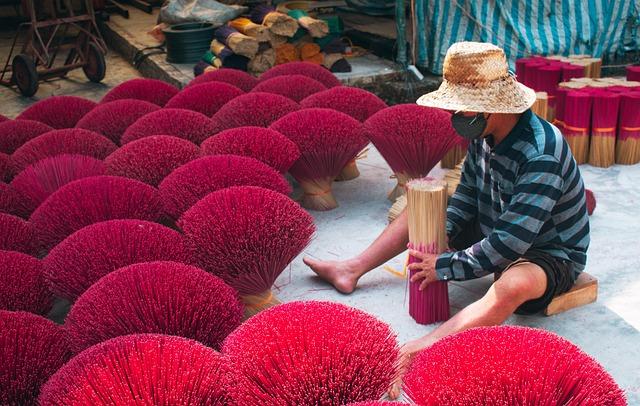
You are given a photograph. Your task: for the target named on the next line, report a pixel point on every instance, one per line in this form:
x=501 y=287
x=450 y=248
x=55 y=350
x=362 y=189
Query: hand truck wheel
x=25 y=75
x=95 y=67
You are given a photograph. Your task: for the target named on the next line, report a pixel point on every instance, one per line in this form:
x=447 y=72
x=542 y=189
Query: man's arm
x=536 y=191
x=463 y=204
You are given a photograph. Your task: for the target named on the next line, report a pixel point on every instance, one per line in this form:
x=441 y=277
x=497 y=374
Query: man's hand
x=426 y=268
x=407 y=352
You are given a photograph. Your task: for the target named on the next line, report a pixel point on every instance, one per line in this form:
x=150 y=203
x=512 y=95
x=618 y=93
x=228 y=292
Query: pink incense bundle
x=151 y=159
x=577 y=121
x=151 y=90
x=633 y=73
x=75 y=141
x=186 y=124
x=456 y=153
x=205 y=98
x=295 y=87
x=358 y=103
x=4 y=118
x=531 y=73
x=264 y=144
x=23 y=285
x=427 y=210
x=521 y=67
x=39 y=180
x=570 y=71
x=591 y=201
x=32 y=348
x=5 y=167
x=196 y=179
x=91 y=200
x=412 y=139
x=561 y=96
x=547 y=80
x=135 y=299
x=11 y=201
x=258 y=109
x=17 y=234
x=141 y=369
x=311 y=353
x=604 y=119
x=508 y=365
x=628 y=143
x=311 y=70
x=96 y=250
x=247 y=235
x=113 y=118
x=237 y=78
x=58 y=111
x=327 y=140
x=15 y=133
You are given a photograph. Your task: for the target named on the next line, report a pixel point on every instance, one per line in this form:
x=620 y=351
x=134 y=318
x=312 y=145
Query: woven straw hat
x=477 y=79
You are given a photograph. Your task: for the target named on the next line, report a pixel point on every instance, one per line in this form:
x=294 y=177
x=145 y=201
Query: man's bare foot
x=341 y=274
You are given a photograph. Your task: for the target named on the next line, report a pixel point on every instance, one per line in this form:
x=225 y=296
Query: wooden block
x=584 y=291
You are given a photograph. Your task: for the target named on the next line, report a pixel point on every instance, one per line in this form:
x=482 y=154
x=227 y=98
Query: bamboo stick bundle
x=541 y=105
x=452 y=177
x=263 y=61
x=277 y=40
x=427 y=209
x=586 y=65
x=577 y=118
x=239 y=43
x=251 y=29
x=316 y=28
x=226 y=58
x=602 y=152
x=628 y=144
x=595 y=67
x=278 y=23
x=455 y=155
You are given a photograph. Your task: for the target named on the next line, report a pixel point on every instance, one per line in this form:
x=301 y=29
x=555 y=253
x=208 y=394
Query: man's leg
x=520 y=283
x=344 y=275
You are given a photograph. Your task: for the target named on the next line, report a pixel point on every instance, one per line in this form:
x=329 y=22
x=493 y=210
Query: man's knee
x=520 y=283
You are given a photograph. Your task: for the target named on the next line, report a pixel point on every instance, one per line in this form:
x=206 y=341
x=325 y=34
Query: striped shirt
x=526 y=193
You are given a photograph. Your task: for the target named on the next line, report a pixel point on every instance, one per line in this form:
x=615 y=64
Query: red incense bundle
x=547 y=80
x=602 y=152
x=577 y=118
x=570 y=71
x=531 y=74
x=561 y=95
x=411 y=138
x=628 y=145
x=427 y=209
x=633 y=72
x=248 y=27
x=521 y=67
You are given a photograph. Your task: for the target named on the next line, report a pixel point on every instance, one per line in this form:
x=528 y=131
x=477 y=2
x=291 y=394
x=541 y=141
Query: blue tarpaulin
x=520 y=27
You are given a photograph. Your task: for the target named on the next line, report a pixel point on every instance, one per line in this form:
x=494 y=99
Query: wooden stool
x=583 y=292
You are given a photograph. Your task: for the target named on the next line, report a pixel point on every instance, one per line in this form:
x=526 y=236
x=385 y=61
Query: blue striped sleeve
x=536 y=190
x=462 y=206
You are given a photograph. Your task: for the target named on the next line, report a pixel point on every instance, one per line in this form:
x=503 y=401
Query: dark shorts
x=560 y=274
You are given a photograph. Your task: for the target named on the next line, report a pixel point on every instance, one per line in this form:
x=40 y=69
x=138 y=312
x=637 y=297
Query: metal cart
x=50 y=32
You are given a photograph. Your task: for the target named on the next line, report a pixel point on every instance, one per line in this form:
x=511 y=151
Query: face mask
x=470 y=127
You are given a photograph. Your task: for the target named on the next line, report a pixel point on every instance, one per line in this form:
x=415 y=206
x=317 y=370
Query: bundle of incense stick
x=248 y=27
x=254 y=304
x=239 y=43
x=316 y=28
x=541 y=105
x=577 y=118
x=547 y=80
x=278 y=23
x=455 y=155
x=628 y=144
x=602 y=152
x=427 y=206
x=452 y=177
x=226 y=58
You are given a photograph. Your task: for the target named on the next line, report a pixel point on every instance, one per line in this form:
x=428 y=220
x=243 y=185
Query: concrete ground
x=608 y=330
x=74 y=84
